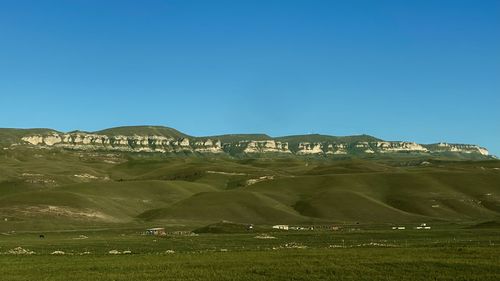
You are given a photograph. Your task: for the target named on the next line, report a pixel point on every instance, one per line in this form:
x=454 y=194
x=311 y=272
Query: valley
x=82 y=204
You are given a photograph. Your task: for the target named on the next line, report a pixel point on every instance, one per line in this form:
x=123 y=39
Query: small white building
x=157 y=231
x=423 y=226
x=281 y=226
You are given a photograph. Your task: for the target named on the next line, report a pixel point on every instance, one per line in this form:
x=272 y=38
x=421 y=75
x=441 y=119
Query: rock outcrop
x=310 y=148
x=267 y=146
x=208 y=145
x=134 y=143
x=458 y=148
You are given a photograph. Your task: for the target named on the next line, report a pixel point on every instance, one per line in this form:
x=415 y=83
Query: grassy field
x=449 y=253
x=90 y=203
x=57 y=189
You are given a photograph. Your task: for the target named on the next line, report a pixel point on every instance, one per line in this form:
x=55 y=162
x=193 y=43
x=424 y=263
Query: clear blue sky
x=425 y=71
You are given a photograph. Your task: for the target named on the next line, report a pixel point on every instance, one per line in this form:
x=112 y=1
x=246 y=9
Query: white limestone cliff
x=385 y=147
x=309 y=148
x=162 y=144
x=461 y=148
x=337 y=149
x=34 y=140
x=133 y=143
x=208 y=146
x=267 y=146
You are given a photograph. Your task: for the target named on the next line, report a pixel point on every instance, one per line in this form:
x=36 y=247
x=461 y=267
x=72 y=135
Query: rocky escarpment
x=133 y=143
x=211 y=145
x=460 y=148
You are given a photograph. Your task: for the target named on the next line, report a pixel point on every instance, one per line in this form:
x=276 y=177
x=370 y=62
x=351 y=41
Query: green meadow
x=449 y=252
x=93 y=208
x=59 y=189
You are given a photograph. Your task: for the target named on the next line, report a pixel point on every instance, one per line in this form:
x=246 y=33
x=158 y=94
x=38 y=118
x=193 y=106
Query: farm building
x=157 y=231
x=423 y=226
x=325 y=227
x=281 y=226
x=298 y=227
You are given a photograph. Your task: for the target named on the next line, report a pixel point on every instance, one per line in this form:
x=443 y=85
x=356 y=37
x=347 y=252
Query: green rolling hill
x=64 y=188
x=142 y=130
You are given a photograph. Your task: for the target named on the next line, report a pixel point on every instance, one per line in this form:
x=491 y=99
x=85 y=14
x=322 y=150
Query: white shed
x=281 y=226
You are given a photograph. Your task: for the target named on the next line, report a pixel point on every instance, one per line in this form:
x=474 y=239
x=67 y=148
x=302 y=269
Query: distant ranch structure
x=398 y=228
x=157 y=231
x=423 y=226
x=281 y=226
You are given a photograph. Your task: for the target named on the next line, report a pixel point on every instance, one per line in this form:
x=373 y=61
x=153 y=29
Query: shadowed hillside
x=44 y=188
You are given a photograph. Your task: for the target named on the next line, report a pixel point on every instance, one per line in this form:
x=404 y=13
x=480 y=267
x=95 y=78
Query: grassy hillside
x=240 y=206
x=142 y=130
x=9 y=136
x=43 y=188
x=230 y=138
x=326 y=138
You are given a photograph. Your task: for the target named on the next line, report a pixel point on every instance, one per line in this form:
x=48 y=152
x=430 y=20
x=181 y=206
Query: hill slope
x=142 y=131
x=54 y=188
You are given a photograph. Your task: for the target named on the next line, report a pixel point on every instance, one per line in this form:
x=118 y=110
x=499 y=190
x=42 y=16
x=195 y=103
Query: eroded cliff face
x=266 y=146
x=124 y=143
x=461 y=148
x=162 y=144
x=400 y=147
x=310 y=148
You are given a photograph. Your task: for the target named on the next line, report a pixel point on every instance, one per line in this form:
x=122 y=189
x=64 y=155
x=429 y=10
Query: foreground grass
x=447 y=254
x=471 y=263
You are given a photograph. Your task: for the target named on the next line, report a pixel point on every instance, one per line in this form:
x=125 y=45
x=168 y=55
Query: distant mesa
x=167 y=140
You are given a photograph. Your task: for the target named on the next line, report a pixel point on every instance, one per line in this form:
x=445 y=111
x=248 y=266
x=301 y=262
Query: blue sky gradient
x=424 y=71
